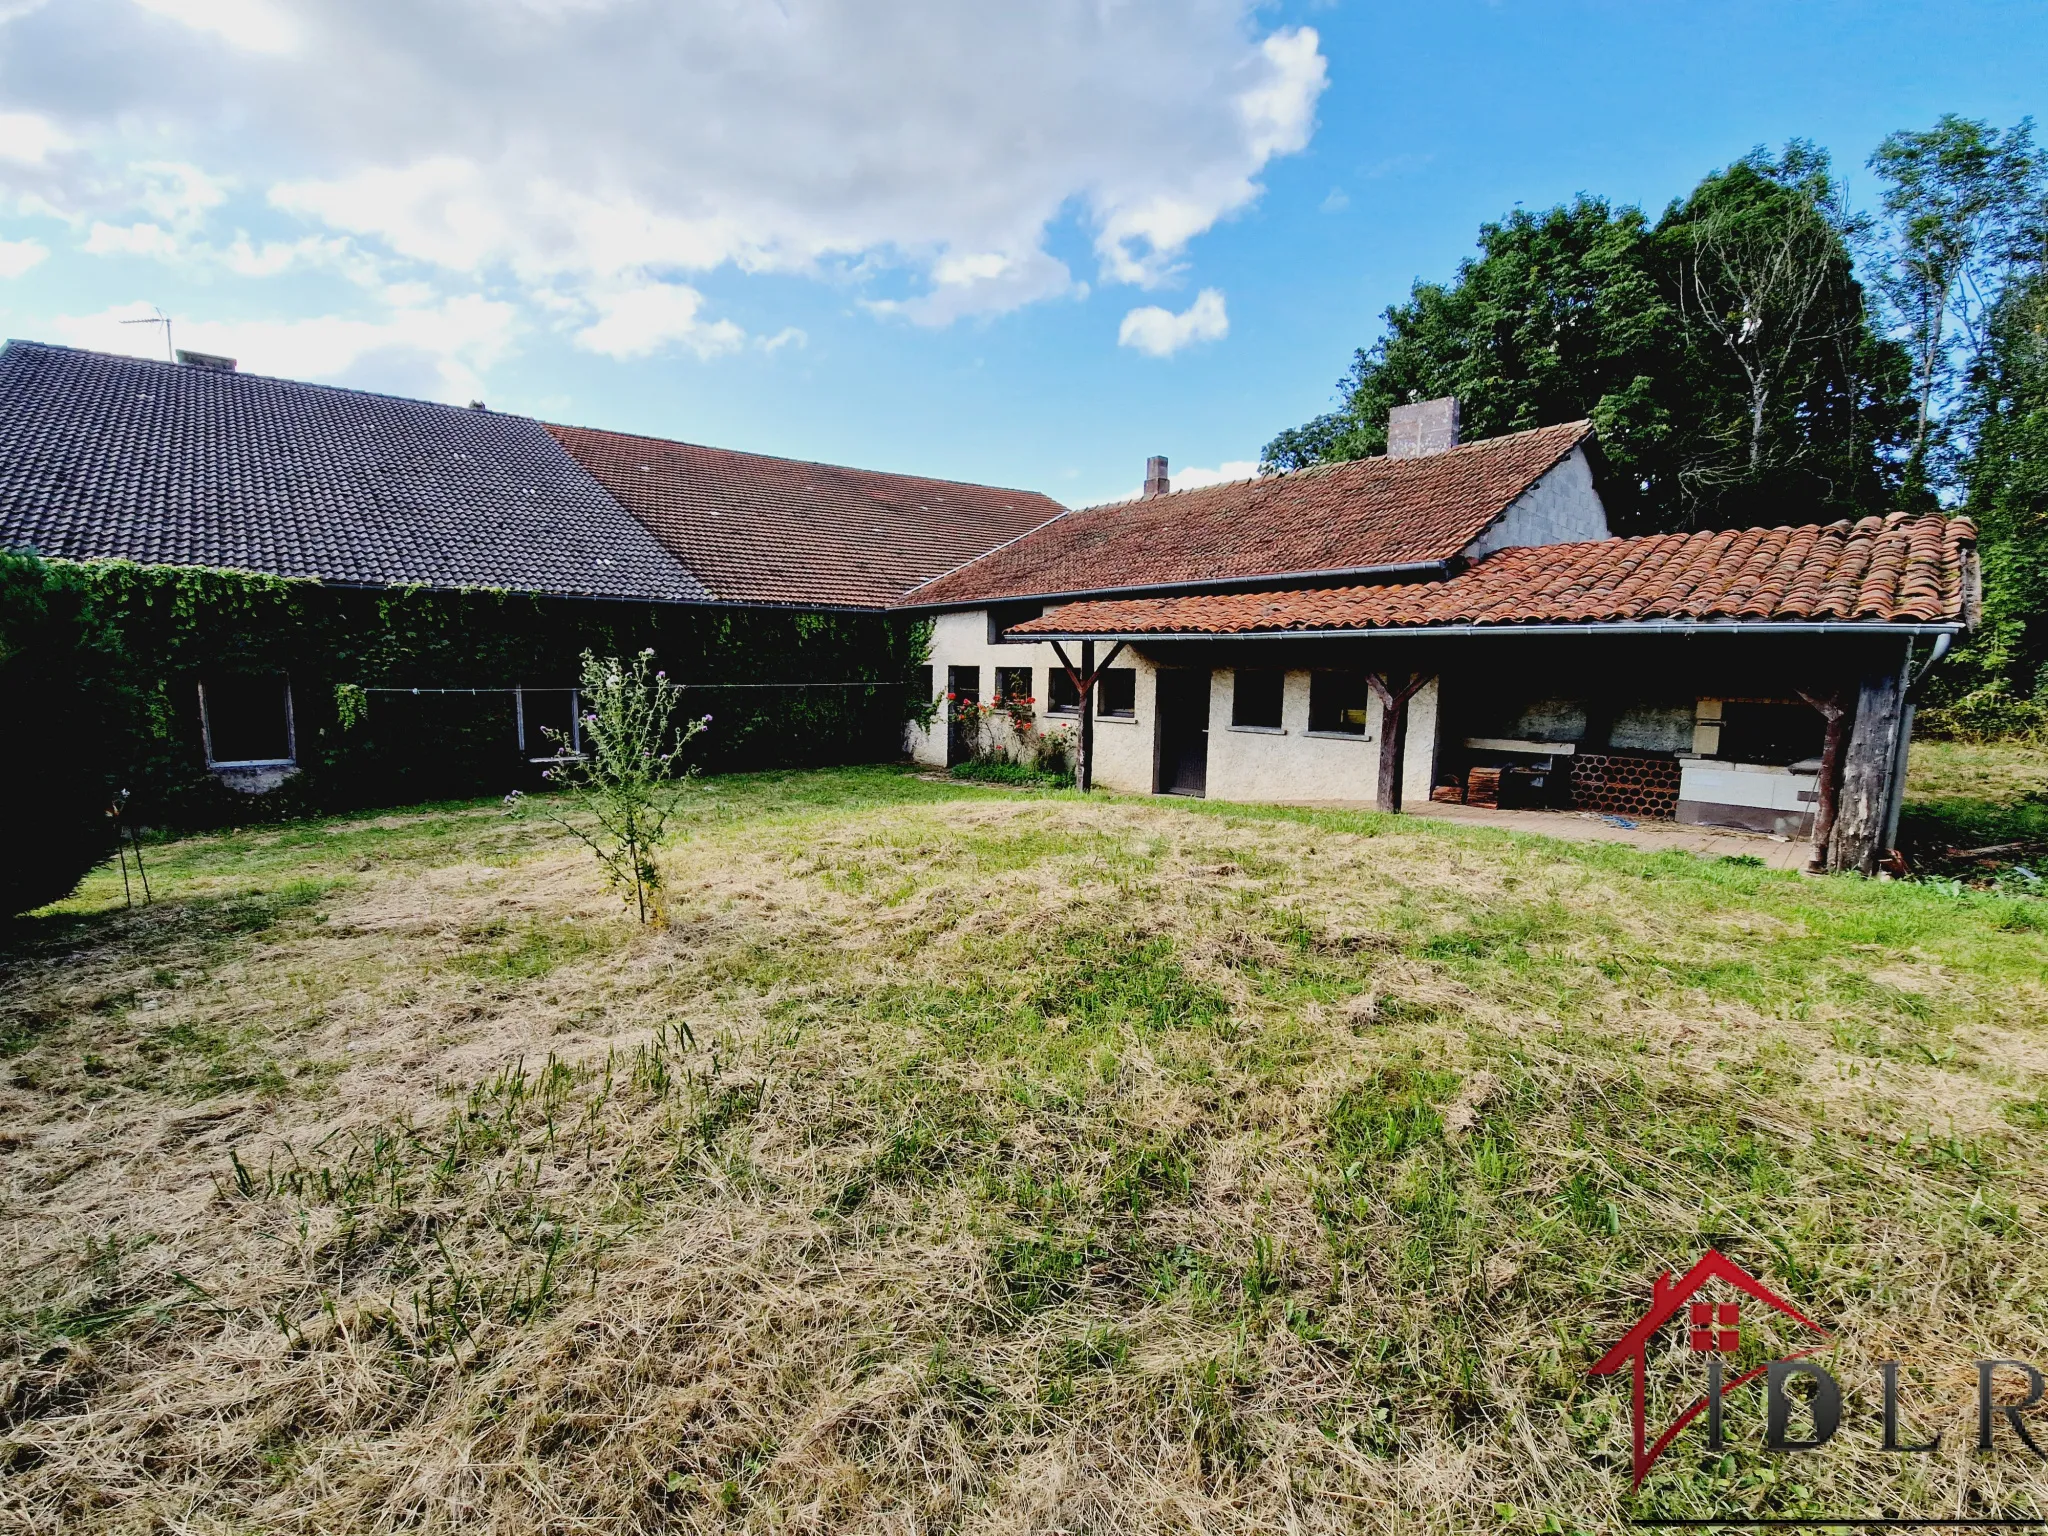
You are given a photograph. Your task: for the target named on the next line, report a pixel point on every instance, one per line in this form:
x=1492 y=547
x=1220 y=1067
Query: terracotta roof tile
x=1332 y=517
x=756 y=529
x=1897 y=569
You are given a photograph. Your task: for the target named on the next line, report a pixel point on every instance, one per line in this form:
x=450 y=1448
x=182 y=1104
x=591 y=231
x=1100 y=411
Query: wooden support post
x=1393 y=732
x=1867 y=763
x=1828 y=792
x=1084 y=771
x=1084 y=680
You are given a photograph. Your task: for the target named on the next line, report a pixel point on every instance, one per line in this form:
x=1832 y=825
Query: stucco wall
x=1291 y=764
x=1246 y=765
x=1563 y=507
x=1123 y=747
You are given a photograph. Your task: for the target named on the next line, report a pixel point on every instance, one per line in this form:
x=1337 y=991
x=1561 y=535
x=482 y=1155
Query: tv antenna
x=162 y=319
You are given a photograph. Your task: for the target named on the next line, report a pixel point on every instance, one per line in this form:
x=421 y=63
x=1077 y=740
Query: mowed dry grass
x=969 y=1161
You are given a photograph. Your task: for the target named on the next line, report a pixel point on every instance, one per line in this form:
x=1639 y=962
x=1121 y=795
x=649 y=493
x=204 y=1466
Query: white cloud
x=29 y=139
x=439 y=350
x=253 y=25
x=788 y=336
x=926 y=154
x=1233 y=469
x=17 y=256
x=1195 y=479
x=639 y=321
x=131 y=240
x=1161 y=333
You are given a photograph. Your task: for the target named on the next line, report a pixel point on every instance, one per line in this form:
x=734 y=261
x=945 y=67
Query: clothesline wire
x=522 y=688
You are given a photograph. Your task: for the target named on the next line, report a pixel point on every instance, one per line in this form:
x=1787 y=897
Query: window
x=247 y=720
x=1116 y=693
x=1062 y=698
x=1255 y=698
x=921 y=685
x=1013 y=683
x=1337 y=703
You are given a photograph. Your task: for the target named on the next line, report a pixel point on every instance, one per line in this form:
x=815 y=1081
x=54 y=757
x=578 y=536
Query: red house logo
x=1714 y=1331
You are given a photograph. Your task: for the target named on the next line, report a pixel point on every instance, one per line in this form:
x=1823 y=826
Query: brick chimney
x=1156 y=483
x=1416 y=431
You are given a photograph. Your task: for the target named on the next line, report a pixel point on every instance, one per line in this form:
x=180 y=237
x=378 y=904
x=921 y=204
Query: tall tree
x=1724 y=354
x=1965 y=212
x=1792 y=402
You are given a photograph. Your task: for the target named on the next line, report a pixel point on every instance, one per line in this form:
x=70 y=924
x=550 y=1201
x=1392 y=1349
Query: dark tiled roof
x=766 y=530
x=116 y=458
x=1333 y=517
x=1895 y=569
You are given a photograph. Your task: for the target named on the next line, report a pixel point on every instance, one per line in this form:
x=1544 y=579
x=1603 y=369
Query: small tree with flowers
x=629 y=774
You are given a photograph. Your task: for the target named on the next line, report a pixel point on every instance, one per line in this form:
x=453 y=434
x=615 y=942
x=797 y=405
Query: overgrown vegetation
x=110 y=654
x=974 y=1160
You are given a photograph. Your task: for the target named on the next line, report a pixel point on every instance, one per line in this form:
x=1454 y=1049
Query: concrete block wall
x=1564 y=507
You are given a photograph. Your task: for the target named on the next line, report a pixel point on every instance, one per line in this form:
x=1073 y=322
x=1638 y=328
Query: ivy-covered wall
x=121 y=649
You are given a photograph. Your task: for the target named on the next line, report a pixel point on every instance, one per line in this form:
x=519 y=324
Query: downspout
x=1942 y=644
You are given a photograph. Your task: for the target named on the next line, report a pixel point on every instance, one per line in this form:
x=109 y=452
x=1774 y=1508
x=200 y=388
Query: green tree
x=1965 y=212
x=1724 y=354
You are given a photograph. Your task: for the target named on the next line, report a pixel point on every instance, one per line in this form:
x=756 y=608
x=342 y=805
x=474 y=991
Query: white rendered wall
x=1564 y=507
x=1123 y=746
x=1248 y=765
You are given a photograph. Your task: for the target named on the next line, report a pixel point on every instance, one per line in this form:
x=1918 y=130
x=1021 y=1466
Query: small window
x=921 y=685
x=964 y=683
x=1337 y=702
x=1013 y=683
x=1062 y=698
x=1116 y=693
x=247 y=720
x=1255 y=698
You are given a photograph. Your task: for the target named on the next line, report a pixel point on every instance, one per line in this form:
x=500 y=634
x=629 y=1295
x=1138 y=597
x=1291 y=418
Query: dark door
x=1184 y=731
x=964 y=683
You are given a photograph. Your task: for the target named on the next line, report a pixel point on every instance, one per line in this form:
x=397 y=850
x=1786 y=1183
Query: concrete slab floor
x=1589 y=827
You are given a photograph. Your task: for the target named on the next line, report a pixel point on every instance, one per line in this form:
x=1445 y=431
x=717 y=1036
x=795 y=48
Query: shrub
x=1988 y=713
x=629 y=774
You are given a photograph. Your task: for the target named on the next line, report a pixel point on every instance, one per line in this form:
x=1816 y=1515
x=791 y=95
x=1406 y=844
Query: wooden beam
x=1084 y=679
x=1867 y=764
x=1393 y=732
x=1835 y=711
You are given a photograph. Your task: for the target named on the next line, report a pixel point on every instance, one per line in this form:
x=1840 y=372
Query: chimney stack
x=1156 y=483
x=1417 y=431
x=212 y=362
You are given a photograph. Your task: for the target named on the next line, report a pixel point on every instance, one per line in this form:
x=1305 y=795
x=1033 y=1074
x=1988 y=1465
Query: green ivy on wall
x=135 y=642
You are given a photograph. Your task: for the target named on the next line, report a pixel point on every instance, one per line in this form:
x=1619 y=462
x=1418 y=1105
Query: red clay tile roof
x=760 y=530
x=1332 y=517
x=1898 y=569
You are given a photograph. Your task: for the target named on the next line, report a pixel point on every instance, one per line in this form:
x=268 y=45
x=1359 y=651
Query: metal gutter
x=1686 y=627
x=1206 y=584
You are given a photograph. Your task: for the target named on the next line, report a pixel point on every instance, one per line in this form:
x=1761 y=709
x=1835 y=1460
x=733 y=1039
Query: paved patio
x=1587 y=827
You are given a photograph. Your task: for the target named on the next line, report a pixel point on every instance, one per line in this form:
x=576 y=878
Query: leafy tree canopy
x=1724 y=353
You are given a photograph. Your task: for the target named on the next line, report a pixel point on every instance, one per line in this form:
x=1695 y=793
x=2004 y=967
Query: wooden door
x=1184 y=731
x=964 y=683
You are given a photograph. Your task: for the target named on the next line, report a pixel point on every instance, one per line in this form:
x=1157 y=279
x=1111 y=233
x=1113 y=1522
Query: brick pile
x=1619 y=784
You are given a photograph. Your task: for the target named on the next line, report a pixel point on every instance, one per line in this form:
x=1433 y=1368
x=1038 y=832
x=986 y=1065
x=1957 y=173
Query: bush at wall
x=142 y=637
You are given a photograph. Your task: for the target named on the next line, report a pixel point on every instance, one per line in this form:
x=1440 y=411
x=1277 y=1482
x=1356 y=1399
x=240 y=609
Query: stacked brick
x=1620 y=784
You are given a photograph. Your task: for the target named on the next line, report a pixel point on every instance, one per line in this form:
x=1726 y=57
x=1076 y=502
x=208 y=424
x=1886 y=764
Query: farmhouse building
x=1455 y=621
x=1449 y=621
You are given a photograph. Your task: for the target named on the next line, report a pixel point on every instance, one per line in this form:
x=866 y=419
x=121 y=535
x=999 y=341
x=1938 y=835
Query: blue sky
x=914 y=234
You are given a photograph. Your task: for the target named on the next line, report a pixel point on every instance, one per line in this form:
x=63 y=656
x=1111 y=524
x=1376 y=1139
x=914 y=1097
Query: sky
x=1024 y=245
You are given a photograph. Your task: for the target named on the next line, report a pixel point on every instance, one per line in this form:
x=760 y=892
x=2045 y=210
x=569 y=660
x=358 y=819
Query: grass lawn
x=981 y=1160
